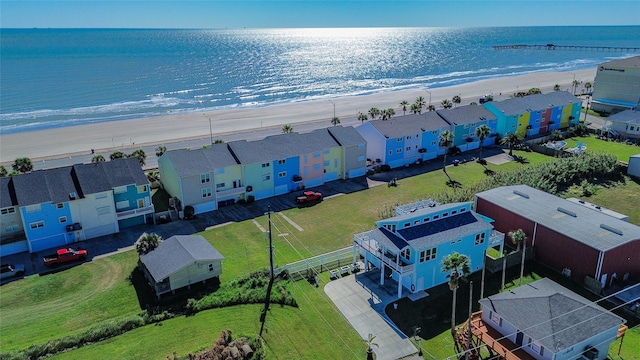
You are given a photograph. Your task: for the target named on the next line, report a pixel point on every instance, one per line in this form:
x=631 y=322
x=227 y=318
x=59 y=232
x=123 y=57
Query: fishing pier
x=566 y=47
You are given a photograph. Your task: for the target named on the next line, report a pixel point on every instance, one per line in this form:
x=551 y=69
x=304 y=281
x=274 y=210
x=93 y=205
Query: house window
x=433 y=143
x=408 y=148
x=406 y=225
x=390 y=152
x=62 y=219
x=429 y=254
x=434 y=132
x=33 y=208
x=122 y=204
x=37 y=224
x=360 y=146
x=205 y=178
x=426 y=219
x=101 y=196
x=465 y=136
x=265 y=164
x=416 y=222
x=206 y=192
x=406 y=253
x=316 y=155
x=219 y=186
x=12 y=228
x=536 y=347
x=463 y=210
x=453 y=212
x=455 y=241
x=445 y=214
x=282 y=174
x=7 y=211
x=408 y=137
x=399 y=150
x=495 y=318
x=327 y=163
x=473 y=124
x=219 y=171
x=60 y=205
x=266 y=177
x=120 y=190
x=281 y=162
x=399 y=139
x=326 y=151
x=436 y=217
x=361 y=158
x=479 y=239
x=103 y=210
x=143 y=189
x=210 y=267
x=316 y=167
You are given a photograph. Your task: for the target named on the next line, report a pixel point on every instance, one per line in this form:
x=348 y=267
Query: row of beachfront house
x=52 y=208
x=223 y=174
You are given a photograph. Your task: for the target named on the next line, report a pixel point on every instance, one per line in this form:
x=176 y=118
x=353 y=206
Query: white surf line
x=259 y=226
x=218 y=225
x=291 y=222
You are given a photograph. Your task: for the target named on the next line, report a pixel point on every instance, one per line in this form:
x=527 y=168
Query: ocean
x=61 y=77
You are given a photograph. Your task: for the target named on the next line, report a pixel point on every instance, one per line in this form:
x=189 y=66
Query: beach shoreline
x=134 y=133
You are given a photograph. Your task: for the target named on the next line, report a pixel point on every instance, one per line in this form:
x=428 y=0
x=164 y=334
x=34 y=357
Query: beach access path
x=196 y=129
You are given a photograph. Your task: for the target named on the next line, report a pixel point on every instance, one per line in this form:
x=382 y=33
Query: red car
x=309 y=196
x=64 y=256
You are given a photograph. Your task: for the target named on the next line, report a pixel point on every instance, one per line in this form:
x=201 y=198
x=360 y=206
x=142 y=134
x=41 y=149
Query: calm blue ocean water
x=60 y=77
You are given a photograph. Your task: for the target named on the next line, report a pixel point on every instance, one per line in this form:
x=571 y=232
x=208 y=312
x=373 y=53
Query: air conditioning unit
x=591 y=353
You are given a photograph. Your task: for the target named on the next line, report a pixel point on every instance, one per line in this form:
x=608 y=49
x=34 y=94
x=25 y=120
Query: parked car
x=11 y=270
x=64 y=256
x=309 y=196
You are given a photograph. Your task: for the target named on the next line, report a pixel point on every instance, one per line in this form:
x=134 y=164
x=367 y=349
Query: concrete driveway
x=362 y=302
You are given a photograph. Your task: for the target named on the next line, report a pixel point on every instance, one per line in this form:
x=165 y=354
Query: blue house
x=465 y=120
x=403 y=140
x=411 y=245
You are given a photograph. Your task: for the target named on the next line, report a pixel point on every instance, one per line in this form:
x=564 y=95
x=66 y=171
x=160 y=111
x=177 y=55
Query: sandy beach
x=109 y=136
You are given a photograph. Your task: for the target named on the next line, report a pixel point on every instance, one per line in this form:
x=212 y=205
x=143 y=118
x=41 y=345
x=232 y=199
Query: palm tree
x=556 y=87
x=374 y=112
x=117 y=155
x=97 y=159
x=510 y=139
x=140 y=155
x=218 y=141
x=287 y=129
x=420 y=101
x=160 y=150
x=534 y=90
x=482 y=132
x=3 y=171
x=517 y=237
x=362 y=117
x=404 y=104
x=446 y=104
x=458 y=266
x=588 y=86
x=335 y=121
x=575 y=84
x=415 y=108
x=387 y=114
x=147 y=242
x=22 y=165
x=446 y=138
x=456 y=100
x=431 y=107
x=369 y=342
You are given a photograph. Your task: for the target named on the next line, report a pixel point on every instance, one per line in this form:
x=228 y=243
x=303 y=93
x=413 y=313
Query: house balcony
x=496 y=238
x=393 y=261
x=135 y=212
x=500 y=345
x=230 y=192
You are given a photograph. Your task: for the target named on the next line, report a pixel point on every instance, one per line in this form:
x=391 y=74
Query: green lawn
x=42 y=308
x=621 y=150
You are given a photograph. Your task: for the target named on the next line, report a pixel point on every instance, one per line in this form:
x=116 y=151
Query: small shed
x=180 y=261
x=634 y=166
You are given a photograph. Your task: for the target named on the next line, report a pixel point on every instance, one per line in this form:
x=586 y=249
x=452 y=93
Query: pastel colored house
x=410 y=246
x=624 y=124
x=577 y=240
x=547 y=321
x=64 y=205
x=353 y=150
x=536 y=114
x=205 y=178
x=617 y=86
x=465 y=120
x=180 y=261
x=404 y=140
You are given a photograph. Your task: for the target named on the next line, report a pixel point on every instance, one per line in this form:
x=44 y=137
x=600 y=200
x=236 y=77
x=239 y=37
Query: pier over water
x=566 y=47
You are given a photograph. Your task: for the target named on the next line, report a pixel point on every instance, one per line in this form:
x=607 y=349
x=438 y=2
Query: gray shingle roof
x=551 y=314
x=410 y=124
x=176 y=253
x=537 y=102
x=346 y=136
x=626 y=116
x=281 y=146
x=7 y=194
x=589 y=227
x=44 y=186
x=199 y=161
x=466 y=114
x=633 y=61
x=123 y=172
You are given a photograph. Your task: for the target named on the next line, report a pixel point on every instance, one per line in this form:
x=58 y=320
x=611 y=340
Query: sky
x=214 y=14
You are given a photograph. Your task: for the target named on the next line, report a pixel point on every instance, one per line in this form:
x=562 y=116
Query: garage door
x=330 y=176
x=281 y=189
x=48 y=243
x=202 y=208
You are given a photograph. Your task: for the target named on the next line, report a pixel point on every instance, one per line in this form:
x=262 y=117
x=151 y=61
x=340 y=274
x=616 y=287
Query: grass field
x=621 y=150
x=42 y=308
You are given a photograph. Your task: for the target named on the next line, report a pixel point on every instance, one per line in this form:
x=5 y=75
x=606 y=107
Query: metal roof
x=536 y=102
x=346 y=136
x=198 y=161
x=400 y=126
x=633 y=61
x=626 y=116
x=176 y=253
x=592 y=228
x=466 y=114
x=103 y=176
x=7 y=194
x=45 y=186
x=551 y=314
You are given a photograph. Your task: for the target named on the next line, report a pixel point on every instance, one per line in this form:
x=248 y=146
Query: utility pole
x=263 y=314
x=210 y=131
x=270 y=244
x=467 y=353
